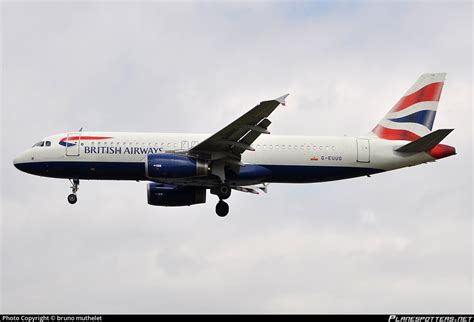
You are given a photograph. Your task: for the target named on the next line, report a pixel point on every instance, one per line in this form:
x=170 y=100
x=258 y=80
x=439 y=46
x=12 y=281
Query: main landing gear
x=222 y=208
x=72 y=198
x=223 y=192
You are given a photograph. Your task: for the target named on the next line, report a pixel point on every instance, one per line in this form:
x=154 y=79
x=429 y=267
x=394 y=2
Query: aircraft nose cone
x=16 y=163
x=20 y=162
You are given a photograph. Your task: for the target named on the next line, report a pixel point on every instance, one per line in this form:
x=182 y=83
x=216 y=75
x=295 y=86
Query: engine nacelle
x=172 y=196
x=168 y=165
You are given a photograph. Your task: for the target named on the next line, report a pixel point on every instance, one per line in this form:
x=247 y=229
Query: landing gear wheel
x=223 y=191
x=72 y=198
x=222 y=209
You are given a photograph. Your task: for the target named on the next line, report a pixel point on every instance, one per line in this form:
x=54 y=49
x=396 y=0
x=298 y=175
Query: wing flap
x=253 y=134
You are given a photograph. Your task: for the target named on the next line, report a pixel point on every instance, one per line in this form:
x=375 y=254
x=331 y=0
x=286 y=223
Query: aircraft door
x=73 y=142
x=363 y=150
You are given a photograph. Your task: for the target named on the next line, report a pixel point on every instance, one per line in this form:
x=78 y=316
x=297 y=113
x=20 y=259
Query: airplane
x=243 y=156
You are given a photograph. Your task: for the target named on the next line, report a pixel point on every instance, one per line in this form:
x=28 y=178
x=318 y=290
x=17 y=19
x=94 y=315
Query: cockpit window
x=48 y=143
x=39 y=144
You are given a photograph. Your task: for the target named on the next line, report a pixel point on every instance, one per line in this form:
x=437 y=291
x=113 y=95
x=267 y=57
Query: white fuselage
x=88 y=155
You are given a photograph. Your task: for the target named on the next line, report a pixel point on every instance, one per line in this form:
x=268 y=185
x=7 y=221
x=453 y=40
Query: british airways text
x=120 y=150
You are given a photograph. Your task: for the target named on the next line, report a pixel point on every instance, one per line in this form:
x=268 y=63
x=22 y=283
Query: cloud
x=399 y=241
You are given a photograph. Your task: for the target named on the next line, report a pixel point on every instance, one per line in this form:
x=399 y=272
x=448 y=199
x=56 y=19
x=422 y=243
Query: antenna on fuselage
x=80 y=130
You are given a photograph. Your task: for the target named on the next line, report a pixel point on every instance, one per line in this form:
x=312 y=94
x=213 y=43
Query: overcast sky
x=396 y=242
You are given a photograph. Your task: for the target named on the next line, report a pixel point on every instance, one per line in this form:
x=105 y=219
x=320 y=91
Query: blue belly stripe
x=86 y=170
x=136 y=171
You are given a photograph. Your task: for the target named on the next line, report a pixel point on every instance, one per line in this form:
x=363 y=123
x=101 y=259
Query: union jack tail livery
x=413 y=115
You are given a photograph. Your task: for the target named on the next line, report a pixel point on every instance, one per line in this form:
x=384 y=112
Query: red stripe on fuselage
x=75 y=138
x=430 y=92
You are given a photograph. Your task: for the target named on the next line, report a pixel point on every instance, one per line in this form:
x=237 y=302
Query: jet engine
x=168 y=165
x=173 y=196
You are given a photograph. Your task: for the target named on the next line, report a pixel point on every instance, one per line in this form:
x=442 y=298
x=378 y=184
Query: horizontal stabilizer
x=426 y=142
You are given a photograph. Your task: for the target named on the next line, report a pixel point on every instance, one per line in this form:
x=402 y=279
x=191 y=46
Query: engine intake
x=172 y=196
x=168 y=165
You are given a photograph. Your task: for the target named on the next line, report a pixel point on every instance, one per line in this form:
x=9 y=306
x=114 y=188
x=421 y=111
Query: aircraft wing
x=229 y=143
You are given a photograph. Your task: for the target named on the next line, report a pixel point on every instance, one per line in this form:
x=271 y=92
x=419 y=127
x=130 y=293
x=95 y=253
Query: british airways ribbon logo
x=72 y=140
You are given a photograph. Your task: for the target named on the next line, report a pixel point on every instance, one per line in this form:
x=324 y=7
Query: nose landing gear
x=72 y=198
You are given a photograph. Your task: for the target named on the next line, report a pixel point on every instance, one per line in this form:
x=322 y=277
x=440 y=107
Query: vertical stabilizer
x=413 y=115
